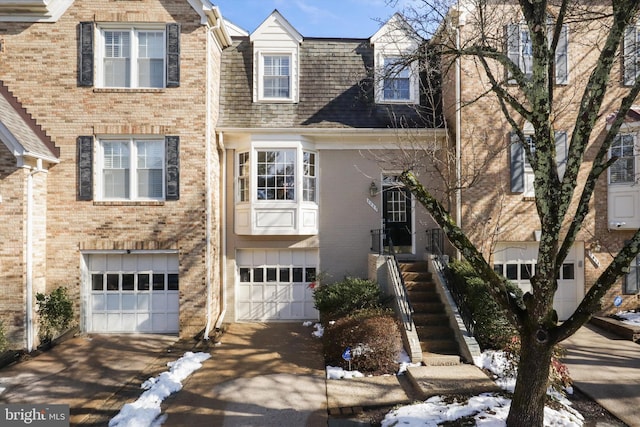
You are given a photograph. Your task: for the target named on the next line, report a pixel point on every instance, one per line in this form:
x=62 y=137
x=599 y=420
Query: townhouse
x=110 y=168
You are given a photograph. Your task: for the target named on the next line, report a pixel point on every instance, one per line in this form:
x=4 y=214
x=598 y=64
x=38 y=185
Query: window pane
x=143 y=282
x=396 y=79
x=158 y=282
x=277 y=180
x=512 y=272
x=623 y=170
x=245 y=274
x=117 y=59
x=526 y=271
x=276 y=79
x=113 y=281
x=243 y=177
x=309 y=180
x=97 y=282
x=297 y=274
x=115 y=173
x=568 y=272
x=631 y=281
x=498 y=268
x=309 y=274
x=127 y=282
x=150 y=59
x=172 y=282
x=272 y=274
x=258 y=275
x=285 y=274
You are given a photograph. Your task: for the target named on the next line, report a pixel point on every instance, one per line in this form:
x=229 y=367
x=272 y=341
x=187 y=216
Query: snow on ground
x=487 y=409
x=629 y=317
x=145 y=411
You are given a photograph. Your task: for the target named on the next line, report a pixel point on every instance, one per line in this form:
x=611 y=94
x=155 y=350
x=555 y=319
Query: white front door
x=275 y=284
x=132 y=293
x=517 y=262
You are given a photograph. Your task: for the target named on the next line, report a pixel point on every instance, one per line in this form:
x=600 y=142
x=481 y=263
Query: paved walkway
x=260 y=375
x=606 y=368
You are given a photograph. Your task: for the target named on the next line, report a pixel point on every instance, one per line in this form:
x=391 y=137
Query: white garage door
x=517 y=262
x=133 y=293
x=275 y=284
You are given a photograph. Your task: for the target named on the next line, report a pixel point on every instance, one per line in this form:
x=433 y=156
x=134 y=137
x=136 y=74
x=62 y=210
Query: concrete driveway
x=260 y=375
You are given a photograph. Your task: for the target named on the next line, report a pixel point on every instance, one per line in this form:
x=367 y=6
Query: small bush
x=492 y=329
x=559 y=378
x=56 y=313
x=374 y=339
x=346 y=297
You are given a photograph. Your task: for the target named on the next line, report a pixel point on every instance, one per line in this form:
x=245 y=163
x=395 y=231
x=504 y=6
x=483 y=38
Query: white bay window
x=623 y=191
x=276 y=190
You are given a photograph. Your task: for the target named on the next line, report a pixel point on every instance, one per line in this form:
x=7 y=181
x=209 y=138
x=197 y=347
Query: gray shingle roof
x=25 y=130
x=336 y=90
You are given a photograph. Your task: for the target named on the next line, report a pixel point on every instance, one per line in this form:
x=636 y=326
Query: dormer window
x=276 y=46
x=397 y=80
x=276 y=76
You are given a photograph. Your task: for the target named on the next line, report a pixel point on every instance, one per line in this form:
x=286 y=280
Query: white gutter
x=208 y=191
x=223 y=232
x=29 y=255
x=459 y=22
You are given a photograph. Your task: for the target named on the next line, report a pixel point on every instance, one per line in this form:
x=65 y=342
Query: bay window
x=623 y=170
x=276 y=190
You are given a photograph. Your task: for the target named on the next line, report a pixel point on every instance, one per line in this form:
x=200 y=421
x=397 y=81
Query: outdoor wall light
x=373 y=189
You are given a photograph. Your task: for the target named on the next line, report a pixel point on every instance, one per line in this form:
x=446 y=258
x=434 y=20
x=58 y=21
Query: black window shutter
x=85 y=54
x=517 y=164
x=85 y=167
x=172 y=163
x=173 y=55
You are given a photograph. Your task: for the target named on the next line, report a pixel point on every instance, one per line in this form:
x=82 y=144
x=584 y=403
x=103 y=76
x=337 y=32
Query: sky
x=314 y=18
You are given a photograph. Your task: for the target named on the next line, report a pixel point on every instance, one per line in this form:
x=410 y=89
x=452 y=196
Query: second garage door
x=275 y=284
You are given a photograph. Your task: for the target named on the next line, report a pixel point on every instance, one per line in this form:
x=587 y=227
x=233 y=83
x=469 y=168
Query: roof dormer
x=396 y=69
x=276 y=46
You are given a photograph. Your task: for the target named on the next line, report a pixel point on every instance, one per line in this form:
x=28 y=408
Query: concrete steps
x=437 y=341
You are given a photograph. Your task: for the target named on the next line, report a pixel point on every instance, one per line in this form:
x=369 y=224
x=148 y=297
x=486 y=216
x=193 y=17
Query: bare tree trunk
x=530 y=394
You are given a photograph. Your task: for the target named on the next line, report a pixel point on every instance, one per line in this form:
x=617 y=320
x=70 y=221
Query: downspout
x=223 y=232
x=458 y=130
x=208 y=190
x=29 y=255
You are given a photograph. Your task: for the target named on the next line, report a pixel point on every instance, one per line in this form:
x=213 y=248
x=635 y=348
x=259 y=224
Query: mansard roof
x=336 y=90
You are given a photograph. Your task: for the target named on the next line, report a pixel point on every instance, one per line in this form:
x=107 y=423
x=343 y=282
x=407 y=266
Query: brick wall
x=40 y=68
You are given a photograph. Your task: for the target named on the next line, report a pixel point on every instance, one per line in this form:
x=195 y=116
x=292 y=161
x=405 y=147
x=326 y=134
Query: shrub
x=346 y=297
x=56 y=313
x=492 y=330
x=373 y=336
x=559 y=378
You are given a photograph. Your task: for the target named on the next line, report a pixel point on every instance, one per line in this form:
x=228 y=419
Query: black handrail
x=435 y=245
x=378 y=240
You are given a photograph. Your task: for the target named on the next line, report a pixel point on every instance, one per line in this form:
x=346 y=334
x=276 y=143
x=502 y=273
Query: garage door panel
x=123 y=298
x=277 y=288
x=113 y=302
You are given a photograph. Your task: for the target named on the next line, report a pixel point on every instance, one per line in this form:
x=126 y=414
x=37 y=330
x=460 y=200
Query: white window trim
x=253 y=174
x=635 y=161
x=258 y=68
x=414 y=80
x=133 y=178
x=133 y=29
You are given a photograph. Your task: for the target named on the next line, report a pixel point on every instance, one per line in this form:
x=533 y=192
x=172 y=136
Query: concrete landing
x=365 y=392
x=460 y=379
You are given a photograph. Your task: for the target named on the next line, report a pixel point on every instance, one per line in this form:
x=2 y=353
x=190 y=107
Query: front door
x=396 y=215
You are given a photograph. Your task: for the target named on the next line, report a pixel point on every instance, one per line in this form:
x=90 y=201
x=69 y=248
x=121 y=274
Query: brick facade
x=40 y=66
